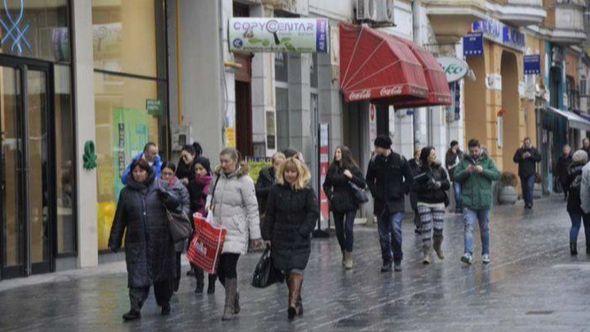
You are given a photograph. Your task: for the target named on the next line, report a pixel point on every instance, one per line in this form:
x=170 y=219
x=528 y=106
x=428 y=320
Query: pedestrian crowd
x=280 y=210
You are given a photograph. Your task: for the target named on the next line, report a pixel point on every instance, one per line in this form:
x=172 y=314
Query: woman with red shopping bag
x=235 y=208
x=291 y=214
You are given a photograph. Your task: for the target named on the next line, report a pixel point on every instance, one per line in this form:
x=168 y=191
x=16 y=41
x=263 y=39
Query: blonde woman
x=291 y=214
x=234 y=207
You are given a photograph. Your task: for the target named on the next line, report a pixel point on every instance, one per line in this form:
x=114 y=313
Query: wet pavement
x=533 y=284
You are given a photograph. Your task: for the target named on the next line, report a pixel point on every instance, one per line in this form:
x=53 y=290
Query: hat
x=383 y=142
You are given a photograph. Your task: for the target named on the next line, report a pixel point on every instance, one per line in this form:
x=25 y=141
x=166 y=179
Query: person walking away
x=149 y=154
x=266 y=179
x=184 y=172
x=574 y=203
x=389 y=178
x=414 y=164
x=342 y=172
x=476 y=173
x=234 y=207
x=562 y=169
x=430 y=185
x=292 y=212
x=149 y=250
x=198 y=189
x=452 y=159
x=527 y=157
x=174 y=187
x=585 y=200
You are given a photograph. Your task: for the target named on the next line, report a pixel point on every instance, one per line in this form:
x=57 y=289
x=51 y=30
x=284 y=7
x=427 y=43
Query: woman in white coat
x=235 y=208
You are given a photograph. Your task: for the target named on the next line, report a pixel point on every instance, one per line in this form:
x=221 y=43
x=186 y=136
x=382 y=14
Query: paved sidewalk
x=532 y=285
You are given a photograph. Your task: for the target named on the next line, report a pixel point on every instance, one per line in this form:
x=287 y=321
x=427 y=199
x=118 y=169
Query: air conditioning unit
x=378 y=13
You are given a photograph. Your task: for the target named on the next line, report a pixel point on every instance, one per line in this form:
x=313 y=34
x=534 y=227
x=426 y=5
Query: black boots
x=574 y=248
x=131 y=315
x=295 y=283
x=166 y=309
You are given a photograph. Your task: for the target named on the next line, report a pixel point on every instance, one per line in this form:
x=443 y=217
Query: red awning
x=438 y=87
x=386 y=69
x=376 y=67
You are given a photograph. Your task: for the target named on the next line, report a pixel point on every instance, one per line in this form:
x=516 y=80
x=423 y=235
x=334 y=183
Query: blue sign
x=473 y=44
x=500 y=33
x=532 y=64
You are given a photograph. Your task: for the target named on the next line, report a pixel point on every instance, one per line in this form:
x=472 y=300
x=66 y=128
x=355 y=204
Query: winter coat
x=562 y=167
x=178 y=193
x=156 y=167
x=290 y=218
x=585 y=189
x=198 y=189
x=266 y=179
x=415 y=167
x=337 y=188
x=389 y=179
x=527 y=166
x=425 y=185
x=184 y=170
x=235 y=208
x=141 y=218
x=476 y=189
x=573 y=199
x=452 y=159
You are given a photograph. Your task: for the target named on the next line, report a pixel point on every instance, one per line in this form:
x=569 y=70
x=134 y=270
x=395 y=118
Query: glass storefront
x=130 y=89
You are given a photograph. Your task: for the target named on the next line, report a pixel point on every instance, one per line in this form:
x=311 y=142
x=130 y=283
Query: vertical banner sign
x=372 y=123
x=324 y=164
x=473 y=44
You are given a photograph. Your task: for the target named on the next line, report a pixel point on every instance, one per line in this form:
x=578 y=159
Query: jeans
x=390 y=236
x=483 y=218
x=344 y=223
x=457 y=192
x=577 y=223
x=528 y=187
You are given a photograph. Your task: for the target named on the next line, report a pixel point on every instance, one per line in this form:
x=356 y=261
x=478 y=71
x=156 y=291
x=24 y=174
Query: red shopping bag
x=206 y=245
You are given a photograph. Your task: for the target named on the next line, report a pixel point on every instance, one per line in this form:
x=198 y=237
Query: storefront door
x=26 y=209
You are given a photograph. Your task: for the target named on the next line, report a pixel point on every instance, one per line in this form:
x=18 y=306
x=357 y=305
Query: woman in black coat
x=185 y=164
x=430 y=185
x=149 y=249
x=342 y=172
x=574 y=208
x=291 y=214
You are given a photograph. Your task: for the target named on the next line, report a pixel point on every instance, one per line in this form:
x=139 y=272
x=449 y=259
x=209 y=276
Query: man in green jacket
x=476 y=173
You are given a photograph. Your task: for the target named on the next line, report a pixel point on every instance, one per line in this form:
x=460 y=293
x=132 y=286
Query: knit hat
x=383 y=142
x=580 y=156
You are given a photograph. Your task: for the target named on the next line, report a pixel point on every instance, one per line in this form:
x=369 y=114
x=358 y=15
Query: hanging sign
x=473 y=44
x=295 y=35
x=454 y=68
x=532 y=64
x=324 y=164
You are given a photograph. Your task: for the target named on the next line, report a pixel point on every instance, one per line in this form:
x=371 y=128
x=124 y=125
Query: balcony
x=452 y=19
x=569 y=22
x=518 y=12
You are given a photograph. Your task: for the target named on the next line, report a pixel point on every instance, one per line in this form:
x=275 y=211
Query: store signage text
x=532 y=64
x=473 y=44
x=296 y=35
x=500 y=33
x=454 y=68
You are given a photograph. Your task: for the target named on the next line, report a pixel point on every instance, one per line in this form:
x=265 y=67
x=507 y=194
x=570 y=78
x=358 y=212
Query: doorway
x=26 y=161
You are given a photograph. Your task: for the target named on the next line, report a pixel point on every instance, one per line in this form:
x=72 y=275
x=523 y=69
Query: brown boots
x=295 y=282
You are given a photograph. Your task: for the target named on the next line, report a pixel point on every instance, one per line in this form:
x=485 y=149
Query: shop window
x=126 y=120
x=38 y=29
x=127 y=35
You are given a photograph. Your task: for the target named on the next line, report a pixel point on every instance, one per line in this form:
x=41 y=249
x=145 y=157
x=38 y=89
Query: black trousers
x=178 y=267
x=227 y=268
x=162 y=291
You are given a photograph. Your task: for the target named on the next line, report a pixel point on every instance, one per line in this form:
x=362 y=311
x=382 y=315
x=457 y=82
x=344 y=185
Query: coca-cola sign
x=360 y=95
x=391 y=91
x=454 y=68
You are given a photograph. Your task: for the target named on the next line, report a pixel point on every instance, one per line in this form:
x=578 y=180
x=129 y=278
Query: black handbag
x=179 y=225
x=266 y=273
x=360 y=195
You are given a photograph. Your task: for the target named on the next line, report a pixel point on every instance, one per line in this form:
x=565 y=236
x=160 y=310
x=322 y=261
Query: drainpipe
x=416 y=5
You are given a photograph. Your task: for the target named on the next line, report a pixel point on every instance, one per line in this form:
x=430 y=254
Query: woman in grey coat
x=175 y=188
x=149 y=249
x=235 y=208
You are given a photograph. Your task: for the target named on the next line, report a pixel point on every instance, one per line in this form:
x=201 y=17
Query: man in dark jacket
x=561 y=169
x=266 y=179
x=389 y=178
x=452 y=159
x=527 y=157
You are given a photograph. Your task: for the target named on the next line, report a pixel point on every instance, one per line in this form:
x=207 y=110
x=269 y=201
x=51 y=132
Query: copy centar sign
x=296 y=35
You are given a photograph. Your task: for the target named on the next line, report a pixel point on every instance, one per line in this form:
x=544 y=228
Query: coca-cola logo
x=359 y=95
x=391 y=91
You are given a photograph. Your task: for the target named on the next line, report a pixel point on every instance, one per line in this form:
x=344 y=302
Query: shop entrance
x=26 y=161
x=511 y=118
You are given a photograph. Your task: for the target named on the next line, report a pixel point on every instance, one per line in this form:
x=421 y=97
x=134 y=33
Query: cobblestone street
x=533 y=284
